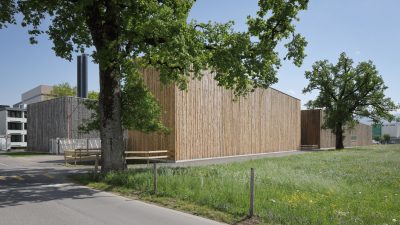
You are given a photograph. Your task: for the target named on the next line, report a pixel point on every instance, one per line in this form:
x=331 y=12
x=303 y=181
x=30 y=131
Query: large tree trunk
x=339 y=136
x=111 y=133
x=102 y=19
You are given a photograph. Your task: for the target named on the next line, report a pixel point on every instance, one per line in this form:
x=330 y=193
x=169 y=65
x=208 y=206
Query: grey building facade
x=13 y=127
x=37 y=94
x=57 y=118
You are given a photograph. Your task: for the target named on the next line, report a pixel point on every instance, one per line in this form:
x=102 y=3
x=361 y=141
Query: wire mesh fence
x=4 y=143
x=59 y=145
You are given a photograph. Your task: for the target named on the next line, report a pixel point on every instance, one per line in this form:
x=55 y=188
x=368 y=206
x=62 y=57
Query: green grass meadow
x=23 y=154
x=352 y=186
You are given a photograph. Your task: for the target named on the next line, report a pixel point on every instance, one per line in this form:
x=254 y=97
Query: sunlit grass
x=357 y=186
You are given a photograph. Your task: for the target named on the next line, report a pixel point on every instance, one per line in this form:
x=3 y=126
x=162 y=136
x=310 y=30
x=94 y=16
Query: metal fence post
x=155 y=177
x=58 y=146
x=87 y=146
x=96 y=164
x=251 y=208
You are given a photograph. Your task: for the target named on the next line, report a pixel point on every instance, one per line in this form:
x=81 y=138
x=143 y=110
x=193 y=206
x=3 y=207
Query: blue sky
x=364 y=29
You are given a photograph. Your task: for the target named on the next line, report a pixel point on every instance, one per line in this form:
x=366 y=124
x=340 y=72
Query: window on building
x=354 y=138
x=25 y=126
x=25 y=138
x=25 y=114
x=14 y=126
x=16 y=138
x=14 y=114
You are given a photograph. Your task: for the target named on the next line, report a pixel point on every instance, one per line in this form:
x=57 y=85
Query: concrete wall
x=37 y=94
x=3 y=122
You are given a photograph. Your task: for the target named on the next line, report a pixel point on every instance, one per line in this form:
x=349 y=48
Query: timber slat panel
x=206 y=122
x=50 y=119
x=146 y=157
x=138 y=141
x=312 y=132
x=146 y=152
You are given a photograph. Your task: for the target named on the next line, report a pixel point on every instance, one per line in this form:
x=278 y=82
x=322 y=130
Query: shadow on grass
x=247 y=220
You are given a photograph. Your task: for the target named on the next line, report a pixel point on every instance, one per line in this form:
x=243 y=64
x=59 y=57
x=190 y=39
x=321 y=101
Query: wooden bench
x=82 y=154
x=146 y=155
x=308 y=147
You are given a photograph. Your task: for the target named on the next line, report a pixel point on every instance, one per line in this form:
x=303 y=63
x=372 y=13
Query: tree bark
x=104 y=29
x=111 y=133
x=339 y=136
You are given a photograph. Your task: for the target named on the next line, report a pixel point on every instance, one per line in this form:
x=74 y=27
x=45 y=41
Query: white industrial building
x=393 y=129
x=13 y=120
x=13 y=128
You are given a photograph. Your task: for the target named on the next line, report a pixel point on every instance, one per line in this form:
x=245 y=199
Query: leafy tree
x=347 y=93
x=131 y=35
x=377 y=138
x=63 y=89
x=93 y=95
x=386 y=138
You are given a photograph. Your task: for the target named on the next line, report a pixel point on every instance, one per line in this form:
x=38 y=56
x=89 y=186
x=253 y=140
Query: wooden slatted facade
x=313 y=134
x=55 y=118
x=206 y=123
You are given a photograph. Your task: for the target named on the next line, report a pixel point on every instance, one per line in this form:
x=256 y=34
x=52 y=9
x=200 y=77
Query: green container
x=377 y=131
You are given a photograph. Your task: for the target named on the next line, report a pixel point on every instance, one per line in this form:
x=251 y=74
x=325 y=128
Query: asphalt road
x=35 y=191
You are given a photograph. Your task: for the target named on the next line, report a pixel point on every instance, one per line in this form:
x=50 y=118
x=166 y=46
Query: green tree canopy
x=386 y=138
x=93 y=95
x=63 y=89
x=347 y=93
x=131 y=35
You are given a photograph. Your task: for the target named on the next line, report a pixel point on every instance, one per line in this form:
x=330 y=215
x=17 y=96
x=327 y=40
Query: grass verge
x=352 y=186
x=23 y=154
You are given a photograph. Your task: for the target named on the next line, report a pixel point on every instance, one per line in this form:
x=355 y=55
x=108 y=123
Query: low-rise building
x=57 y=118
x=313 y=133
x=37 y=94
x=392 y=129
x=13 y=126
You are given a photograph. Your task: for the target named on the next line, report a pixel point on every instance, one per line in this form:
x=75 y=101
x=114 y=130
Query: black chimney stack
x=82 y=87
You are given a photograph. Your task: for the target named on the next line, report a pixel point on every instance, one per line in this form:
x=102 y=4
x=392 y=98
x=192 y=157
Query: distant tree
x=63 y=89
x=397 y=119
x=386 y=138
x=377 y=138
x=347 y=93
x=93 y=95
x=131 y=35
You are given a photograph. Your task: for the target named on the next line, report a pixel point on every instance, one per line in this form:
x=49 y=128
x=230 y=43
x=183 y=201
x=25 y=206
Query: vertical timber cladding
x=206 y=123
x=53 y=119
x=209 y=124
x=165 y=94
x=311 y=127
x=313 y=133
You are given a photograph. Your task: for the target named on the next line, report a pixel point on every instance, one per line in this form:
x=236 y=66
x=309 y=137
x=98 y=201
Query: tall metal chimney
x=79 y=77
x=82 y=80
